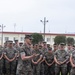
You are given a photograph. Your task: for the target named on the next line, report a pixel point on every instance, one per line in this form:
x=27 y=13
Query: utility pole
x=2 y=27
x=14 y=27
x=44 y=22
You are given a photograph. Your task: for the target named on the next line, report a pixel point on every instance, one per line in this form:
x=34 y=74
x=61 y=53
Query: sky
x=25 y=15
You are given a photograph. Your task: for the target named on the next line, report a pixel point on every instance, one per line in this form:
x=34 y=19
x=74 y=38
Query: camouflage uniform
x=4 y=61
x=24 y=66
x=17 y=47
x=43 y=63
x=69 y=64
x=61 y=55
x=10 y=66
x=18 y=50
x=1 y=62
x=49 y=57
x=36 y=68
x=54 y=62
x=73 y=58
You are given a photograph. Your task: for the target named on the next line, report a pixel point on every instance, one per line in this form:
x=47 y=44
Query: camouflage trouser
x=24 y=73
x=28 y=73
x=9 y=74
x=36 y=69
x=63 y=70
x=4 y=67
x=49 y=70
x=72 y=71
x=42 y=69
x=10 y=68
x=68 y=69
x=1 y=67
x=1 y=72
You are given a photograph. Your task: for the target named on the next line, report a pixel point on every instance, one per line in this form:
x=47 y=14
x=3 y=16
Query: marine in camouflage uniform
x=10 y=55
x=36 y=60
x=72 y=60
x=61 y=57
x=1 y=61
x=43 y=50
x=49 y=60
x=55 y=48
x=69 y=50
x=24 y=62
x=18 y=49
x=17 y=45
x=4 y=67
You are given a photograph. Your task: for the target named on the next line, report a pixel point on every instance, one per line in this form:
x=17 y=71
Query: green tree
x=37 y=38
x=70 y=40
x=60 y=39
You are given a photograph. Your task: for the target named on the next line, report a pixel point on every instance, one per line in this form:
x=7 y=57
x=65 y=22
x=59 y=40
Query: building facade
x=49 y=37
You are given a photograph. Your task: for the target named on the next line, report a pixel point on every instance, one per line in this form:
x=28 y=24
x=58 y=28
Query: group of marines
x=36 y=59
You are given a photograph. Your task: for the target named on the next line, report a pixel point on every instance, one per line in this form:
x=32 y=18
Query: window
x=48 y=39
x=6 y=38
x=22 y=39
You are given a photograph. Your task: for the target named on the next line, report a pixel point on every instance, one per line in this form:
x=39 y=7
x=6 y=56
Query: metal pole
x=2 y=34
x=44 y=27
x=2 y=26
x=14 y=27
x=44 y=22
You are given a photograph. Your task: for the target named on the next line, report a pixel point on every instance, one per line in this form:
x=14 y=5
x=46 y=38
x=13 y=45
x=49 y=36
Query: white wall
x=18 y=37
